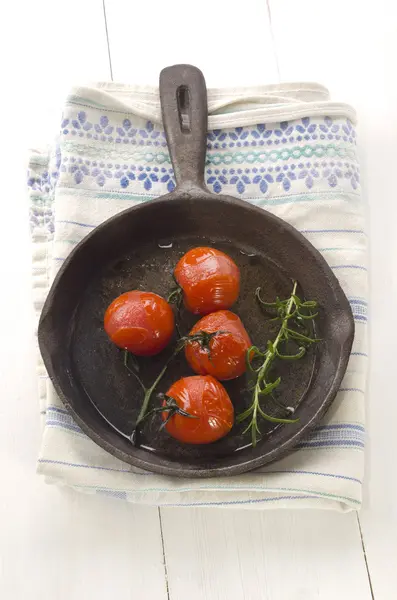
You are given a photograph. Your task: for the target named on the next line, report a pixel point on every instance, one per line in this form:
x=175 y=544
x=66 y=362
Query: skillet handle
x=183 y=96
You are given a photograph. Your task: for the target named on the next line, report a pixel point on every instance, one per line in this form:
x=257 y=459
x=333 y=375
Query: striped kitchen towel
x=287 y=148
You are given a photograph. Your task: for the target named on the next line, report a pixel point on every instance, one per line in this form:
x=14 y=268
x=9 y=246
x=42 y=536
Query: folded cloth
x=286 y=148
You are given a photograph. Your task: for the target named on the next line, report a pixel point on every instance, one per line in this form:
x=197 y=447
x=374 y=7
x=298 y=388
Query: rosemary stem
x=271 y=355
x=256 y=403
x=149 y=391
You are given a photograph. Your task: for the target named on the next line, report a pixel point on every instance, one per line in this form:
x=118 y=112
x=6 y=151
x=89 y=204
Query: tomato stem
x=149 y=391
x=203 y=338
x=176 y=297
x=134 y=372
x=171 y=406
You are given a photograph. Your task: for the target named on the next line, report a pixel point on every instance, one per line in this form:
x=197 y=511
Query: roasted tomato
x=209 y=278
x=140 y=322
x=218 y=346
x=209 y=407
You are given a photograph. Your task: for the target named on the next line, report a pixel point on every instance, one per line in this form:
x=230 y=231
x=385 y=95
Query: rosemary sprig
x=292 y=314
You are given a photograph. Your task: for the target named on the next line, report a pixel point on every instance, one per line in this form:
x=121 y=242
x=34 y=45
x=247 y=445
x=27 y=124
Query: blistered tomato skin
x=209 y=278
x=208 y=402
x=140 y=322
x=225 y=357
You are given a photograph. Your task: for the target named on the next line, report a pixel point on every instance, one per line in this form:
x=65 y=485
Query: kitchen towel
x=286 y=148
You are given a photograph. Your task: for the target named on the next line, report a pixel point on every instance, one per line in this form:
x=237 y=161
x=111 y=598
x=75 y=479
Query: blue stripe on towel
x=349 y=267
x=358 y=231
x=341 y=434
x=77 y=223
x=148 y=473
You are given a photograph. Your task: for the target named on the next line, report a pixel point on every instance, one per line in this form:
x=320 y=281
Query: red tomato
x=207 y=400
x=222 y=355
x=209 y=278
x=140 y=322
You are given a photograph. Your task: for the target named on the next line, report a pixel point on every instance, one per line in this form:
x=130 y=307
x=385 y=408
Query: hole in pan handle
x=183 y=96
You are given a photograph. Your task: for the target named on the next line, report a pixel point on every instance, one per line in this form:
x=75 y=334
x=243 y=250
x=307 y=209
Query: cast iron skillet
x=138 y=248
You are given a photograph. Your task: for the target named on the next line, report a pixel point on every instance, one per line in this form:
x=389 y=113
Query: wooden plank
x=230 y=48
x=378 y=146
x=51 y=46
x=351 y=49
x=67 y=545
x=315 y=42
x=242 y=555
x=214 y=554
x=54 y=544
x=255 y=550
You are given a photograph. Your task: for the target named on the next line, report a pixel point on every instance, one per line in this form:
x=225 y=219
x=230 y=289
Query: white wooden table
x=60 y=545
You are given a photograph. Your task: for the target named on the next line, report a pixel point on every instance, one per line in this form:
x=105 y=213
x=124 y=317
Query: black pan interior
x=138 y=250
